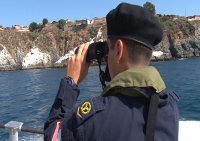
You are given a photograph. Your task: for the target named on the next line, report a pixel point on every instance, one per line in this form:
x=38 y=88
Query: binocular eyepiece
x=97 y=51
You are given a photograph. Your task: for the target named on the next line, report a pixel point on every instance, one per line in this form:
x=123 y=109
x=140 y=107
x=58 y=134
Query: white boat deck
x=189 y=131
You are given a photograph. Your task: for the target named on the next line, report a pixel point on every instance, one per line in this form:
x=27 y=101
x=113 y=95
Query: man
x=135 y=105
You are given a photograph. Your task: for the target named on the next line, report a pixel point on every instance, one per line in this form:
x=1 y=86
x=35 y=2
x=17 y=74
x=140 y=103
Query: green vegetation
x=33 y=26
x=61 y=34
x=33 y=35
x=150 y=7
x=1 y=26
x=44 y=21
x=167 y=24
x=61 y=24
x=166 y=21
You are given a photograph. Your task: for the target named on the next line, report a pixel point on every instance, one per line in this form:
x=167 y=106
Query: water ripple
x=27 y=95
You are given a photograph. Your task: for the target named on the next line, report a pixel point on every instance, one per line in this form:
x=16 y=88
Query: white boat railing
x=14 y=127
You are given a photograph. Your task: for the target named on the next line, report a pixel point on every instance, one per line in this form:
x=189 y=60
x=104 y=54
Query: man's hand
x=77 y=68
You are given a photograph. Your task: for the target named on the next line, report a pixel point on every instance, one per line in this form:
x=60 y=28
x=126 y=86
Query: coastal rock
x=181 y=40
x=51 y=46
x=6 y=60
x=164 y=47
x=19 y=50
x=36 y=59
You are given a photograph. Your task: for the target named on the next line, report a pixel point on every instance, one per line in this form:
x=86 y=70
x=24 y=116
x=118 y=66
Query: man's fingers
x=70 y=59
x=85 y=48
x=80 y=49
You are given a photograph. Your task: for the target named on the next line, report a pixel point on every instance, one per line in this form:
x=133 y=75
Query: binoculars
x=97 y=51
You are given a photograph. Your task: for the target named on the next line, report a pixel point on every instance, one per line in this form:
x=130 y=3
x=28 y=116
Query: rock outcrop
x=51 y=46
x=180 y=40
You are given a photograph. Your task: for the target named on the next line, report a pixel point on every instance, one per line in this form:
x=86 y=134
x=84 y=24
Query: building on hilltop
x=78 y=25
x=193 y=18
x=82 y=22
x=17 y=27
x=96 y=20
x=24 y=29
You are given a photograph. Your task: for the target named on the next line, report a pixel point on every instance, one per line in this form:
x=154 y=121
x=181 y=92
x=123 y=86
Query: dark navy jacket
x=113 y=117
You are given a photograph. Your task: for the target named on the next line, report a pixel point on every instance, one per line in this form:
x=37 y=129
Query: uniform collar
x=136 y=78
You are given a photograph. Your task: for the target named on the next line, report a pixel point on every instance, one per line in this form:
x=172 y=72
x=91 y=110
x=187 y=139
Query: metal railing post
x=13 y=128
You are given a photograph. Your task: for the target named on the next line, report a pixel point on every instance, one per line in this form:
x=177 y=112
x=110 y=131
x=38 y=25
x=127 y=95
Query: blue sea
x=27 y=95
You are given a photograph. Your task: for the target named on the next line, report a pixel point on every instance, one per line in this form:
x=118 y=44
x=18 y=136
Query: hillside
x=24 y=50
x=181 y=38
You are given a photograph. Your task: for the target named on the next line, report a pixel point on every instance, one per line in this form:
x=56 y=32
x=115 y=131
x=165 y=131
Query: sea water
x=27 y=95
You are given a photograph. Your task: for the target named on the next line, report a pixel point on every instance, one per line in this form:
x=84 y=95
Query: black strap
x=152 y=115
x=101 y=75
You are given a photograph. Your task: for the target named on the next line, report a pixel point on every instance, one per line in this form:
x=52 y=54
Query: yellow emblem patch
x=86 y=108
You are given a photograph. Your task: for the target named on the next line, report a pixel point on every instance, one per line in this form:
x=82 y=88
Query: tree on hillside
x=61 y=24
x=33 y=26
x=150 y=7
x=1 y=26
x=44 y=21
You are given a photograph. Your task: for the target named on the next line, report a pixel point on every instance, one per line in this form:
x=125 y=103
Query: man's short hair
x=137 y=53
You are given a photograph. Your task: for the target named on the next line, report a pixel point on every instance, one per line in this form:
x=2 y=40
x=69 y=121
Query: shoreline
x=17 y=68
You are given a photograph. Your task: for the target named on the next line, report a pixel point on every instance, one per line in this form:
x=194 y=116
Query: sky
x=23 y=12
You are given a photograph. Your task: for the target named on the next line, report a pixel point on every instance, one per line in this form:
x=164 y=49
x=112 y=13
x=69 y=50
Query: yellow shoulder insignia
x=88 y=108
x=84 y=109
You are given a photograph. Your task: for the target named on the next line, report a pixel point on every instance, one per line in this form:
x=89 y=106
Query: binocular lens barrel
x=97 y=50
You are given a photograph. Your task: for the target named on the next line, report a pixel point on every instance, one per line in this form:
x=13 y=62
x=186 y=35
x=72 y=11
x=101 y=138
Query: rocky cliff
x=50 y=46
x=181 y=39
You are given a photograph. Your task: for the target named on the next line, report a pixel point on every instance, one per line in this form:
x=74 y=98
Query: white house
x=194 y=18
x=24 y=29
x=17 y=27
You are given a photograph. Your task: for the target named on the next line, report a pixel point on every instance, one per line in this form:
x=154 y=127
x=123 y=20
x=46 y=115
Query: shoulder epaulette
x=88 y=108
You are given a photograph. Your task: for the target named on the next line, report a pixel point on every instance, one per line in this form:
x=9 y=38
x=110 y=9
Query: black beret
x=134 y=23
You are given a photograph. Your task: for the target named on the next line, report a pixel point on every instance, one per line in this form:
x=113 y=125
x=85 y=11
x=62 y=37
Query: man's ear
x=119 y=50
